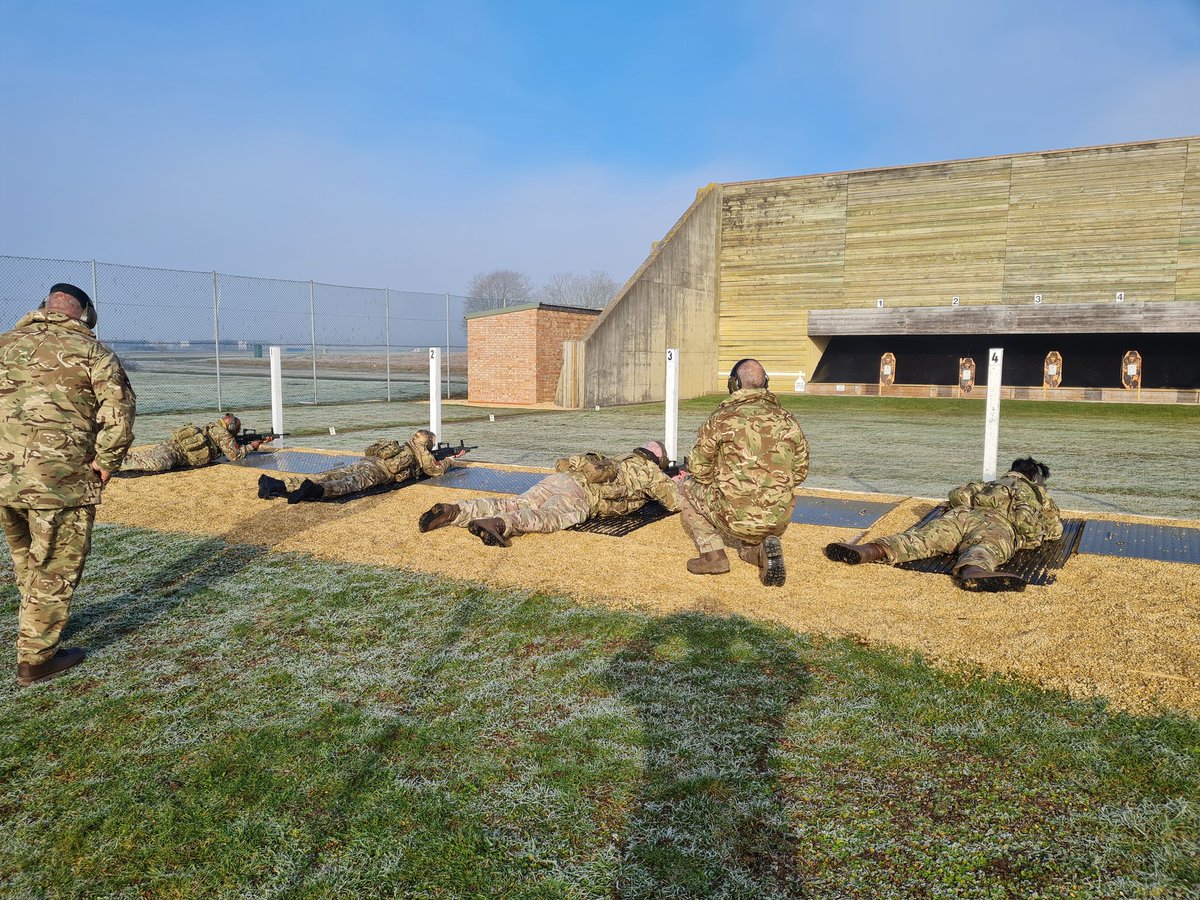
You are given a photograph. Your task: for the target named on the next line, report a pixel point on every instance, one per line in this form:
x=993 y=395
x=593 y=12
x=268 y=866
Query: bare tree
x=592 y=291
x=498 y=288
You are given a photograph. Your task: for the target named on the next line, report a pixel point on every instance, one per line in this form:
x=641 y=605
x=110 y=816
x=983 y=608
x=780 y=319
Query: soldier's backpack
x=384 y=449
x=593 y=468
x=194 y=444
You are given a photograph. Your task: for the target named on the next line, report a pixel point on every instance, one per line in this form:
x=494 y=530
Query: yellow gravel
x=1125 y=630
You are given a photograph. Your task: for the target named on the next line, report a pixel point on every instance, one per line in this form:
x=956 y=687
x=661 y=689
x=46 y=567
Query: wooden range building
x=1091 y=252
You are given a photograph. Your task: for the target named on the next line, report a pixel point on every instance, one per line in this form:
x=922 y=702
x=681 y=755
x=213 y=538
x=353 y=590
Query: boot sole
x=773 y=574
x=426 y=523
x=841 y=554
x=270 y=491
x=487 y=537
x=993 y=584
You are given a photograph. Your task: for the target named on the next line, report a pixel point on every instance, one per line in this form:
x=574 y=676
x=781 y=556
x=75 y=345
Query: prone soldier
x=986 y=523
x=66 y=422
x=193 y=446
x=384 y=462
x=581 y=488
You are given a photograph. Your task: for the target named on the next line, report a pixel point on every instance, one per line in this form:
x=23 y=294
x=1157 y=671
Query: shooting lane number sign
x=1051 y=371
x=966 y=375
x=887 y=371
x=1131 y=372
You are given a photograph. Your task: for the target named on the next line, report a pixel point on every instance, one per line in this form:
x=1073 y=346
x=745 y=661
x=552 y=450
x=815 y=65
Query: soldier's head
x=655 y=452
x=747 y=373
x=1038 y=473
x=232 y=423
x=71 y=301
x=426 y=437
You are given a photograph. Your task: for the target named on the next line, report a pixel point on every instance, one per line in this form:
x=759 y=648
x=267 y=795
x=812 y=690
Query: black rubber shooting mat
x=1033 y=565
x=295 y=462
x=619 y=526
x=1164 y=543
x=839 y=513
x=481 y=478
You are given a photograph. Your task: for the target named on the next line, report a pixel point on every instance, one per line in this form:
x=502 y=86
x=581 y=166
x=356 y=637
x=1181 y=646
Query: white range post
x=435 y=392
x=671 y=402
x=991 y=423
x=277 y=392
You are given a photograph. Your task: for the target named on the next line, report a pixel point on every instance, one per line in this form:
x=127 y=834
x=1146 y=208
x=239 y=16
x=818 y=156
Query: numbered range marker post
x=671 y=402
x=435 y=393
x=991 y=422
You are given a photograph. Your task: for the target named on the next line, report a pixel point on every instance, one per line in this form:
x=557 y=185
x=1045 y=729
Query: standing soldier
x=750 y=457
x=191 y=447
x=386 y=462
x=986 y=523
x=66 y=421
x=581 y=488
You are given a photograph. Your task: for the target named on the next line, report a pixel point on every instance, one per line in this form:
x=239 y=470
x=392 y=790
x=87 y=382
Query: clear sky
x=411 y=145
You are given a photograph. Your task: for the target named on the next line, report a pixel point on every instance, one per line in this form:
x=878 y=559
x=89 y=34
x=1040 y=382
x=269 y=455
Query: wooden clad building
x=1099 y=240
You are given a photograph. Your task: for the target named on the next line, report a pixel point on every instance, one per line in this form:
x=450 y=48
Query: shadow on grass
x=713 y=695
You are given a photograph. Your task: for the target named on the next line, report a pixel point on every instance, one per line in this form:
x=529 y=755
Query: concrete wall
x=671 y=301
x=514 y=355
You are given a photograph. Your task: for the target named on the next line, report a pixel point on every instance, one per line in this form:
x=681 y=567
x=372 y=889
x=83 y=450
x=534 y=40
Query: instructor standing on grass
x=66 y=421
x=749 y=458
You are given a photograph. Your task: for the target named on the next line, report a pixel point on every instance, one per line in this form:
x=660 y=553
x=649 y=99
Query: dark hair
x=1038 y=473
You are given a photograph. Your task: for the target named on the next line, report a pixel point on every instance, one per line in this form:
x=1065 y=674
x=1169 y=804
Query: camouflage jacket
x=218 y=442
x=407 y=460
x=64 y=402
x=1026 y=506
x=752 y=455
x=636 y=482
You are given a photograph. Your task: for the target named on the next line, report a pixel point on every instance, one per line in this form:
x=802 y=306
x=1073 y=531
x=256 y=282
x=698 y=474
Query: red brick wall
x=515 y=357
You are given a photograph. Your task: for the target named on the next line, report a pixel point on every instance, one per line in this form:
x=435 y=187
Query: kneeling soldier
x=985 y=525
x=191 y=447
x=581 y=488
x=386 y=462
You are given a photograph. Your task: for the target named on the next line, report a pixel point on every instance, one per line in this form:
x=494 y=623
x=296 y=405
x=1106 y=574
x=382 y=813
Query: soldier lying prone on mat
x=385 y=462
x=193 y=446
x=581 y=488
x=985 y=525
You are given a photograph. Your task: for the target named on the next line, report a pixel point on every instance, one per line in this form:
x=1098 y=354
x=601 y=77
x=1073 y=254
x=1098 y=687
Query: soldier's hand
x=458 y=453
x=680 y=476
x=103 y=473
x=267 y=439
x=255 y=444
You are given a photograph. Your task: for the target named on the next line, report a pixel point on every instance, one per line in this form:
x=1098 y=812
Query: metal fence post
x=95 y=296
x=217 y=336
x=387 y=338
x=312 y=327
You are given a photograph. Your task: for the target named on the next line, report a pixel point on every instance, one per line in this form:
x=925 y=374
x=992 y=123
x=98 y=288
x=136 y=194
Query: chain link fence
x=195 y=342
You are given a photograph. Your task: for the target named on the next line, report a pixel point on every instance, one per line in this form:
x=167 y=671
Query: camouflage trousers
x=553 y=504
x=49 y=548
x=981 y=537
x=360 y=476
x=160 y=458
x=706 y=530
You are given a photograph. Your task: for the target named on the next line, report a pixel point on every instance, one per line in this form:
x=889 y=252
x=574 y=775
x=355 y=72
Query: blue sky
x=412 y=145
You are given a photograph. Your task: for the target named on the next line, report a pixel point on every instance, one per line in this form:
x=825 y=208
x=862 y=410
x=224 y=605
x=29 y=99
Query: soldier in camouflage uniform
x=385 y=462
x=191 y=447
x=581 y=488
x=749 y=458
x=985 y=524
x=66 y=422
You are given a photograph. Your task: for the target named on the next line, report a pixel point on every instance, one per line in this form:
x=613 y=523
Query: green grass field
x=252 y=724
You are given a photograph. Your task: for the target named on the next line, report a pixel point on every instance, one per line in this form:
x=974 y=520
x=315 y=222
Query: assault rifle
x=444 y=449
x=249 y=437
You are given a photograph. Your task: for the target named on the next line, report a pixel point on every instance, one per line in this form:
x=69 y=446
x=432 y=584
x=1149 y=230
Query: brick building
x=514 y=355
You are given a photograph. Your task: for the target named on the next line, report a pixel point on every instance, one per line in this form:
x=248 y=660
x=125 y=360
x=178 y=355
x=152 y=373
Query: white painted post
x=435 y=391
x=671 y=402
x=277 y=392
x=991 y=423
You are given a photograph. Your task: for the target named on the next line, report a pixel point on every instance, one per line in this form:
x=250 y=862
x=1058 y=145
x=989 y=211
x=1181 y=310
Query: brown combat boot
x=490 y=531
x=714 y=562
x=853 y=554
x=437 y=516
x=28 y=673
x=977 y=578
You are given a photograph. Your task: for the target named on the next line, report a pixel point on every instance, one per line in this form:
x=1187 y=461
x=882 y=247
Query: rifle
x=444 y=449
x=675 y=468
x=249 y=437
